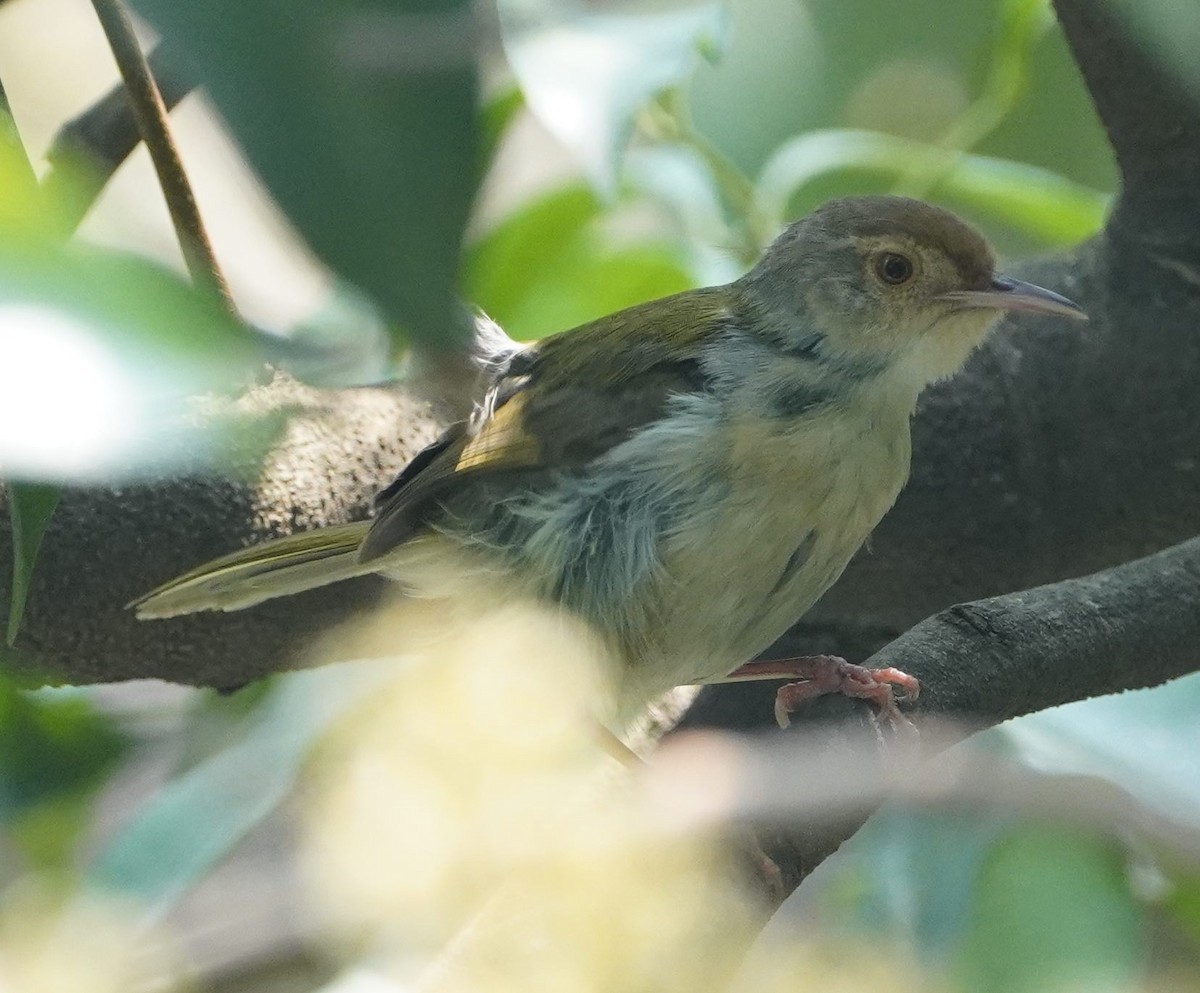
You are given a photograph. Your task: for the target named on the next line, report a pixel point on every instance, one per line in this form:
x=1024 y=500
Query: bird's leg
x=830 y=674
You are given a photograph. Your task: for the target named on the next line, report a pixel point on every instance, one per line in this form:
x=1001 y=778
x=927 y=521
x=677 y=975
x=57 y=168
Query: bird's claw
x=831 y=674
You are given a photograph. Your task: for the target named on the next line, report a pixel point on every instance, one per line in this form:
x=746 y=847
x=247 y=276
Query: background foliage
x=619 y=152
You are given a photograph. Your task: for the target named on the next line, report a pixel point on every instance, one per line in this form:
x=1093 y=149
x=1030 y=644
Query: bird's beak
x=1006 y=293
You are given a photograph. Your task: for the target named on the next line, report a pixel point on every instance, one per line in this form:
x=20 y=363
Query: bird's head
x=889 y=283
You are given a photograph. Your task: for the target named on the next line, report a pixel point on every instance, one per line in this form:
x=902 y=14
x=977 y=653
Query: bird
x=687 y=475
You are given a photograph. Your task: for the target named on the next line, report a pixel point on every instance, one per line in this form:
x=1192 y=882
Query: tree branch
x=103 y=547
x=1129 y=627
x=1153 y=123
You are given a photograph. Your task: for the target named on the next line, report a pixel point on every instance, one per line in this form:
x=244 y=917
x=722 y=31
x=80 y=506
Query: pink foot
x=830 y=674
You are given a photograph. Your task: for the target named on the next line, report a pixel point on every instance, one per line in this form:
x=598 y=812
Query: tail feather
x=275 y=568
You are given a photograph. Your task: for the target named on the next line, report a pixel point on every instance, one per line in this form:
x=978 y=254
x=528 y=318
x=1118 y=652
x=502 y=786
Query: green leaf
x=503 y=266
x=360 y=117
x=100 y=355
x=191 y=824
x=497 y=115
x=53 y=745
x=591 y=280
x=548 y=267
x=1029 y=199
x=1183 y=904
x=1133 y=739
x=1052 y=910
x=30 y=507
x=586 y=70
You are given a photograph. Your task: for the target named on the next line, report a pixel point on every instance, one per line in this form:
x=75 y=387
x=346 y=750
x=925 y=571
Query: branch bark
x=1133 y=626
x=105 y=546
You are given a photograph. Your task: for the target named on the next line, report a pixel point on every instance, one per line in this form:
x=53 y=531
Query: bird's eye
x=894 y=268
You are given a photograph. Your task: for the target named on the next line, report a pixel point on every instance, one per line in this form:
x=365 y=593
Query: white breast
x=734 y=578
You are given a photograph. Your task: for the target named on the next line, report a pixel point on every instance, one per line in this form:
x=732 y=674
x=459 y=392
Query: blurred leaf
x=48 y=832
x=497 y=115
x=1021 y=25
x=1038 y=202
x=30 y=507
x=772 y=80
x=906 y=876
x=190 y=825
x=213 y=720
x=913 y=875
x=1137 y=740
x=503 y=265
x=26 y=210
x=53 y=745
x=791 y=68
x=1042 y=204
x=345 y=341
x=589 y=281
x=924 y=867
x=360 y=117
x=21 y=198
x=547 y=268
x=99 y=355
x=1183 y=903
x=1052 y=910
x=586 y=70
x=677 y=178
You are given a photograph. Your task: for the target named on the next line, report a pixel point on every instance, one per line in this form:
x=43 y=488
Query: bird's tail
x=275 y=568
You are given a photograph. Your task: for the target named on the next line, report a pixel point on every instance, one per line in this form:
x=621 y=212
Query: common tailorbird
x=687 y=475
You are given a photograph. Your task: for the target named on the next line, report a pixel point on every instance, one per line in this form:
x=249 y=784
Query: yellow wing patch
x=504 y=441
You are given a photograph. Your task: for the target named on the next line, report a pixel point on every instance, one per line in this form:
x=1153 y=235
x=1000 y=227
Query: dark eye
x=894 y=268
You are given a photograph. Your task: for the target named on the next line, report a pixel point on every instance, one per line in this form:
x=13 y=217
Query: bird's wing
x=561 y=403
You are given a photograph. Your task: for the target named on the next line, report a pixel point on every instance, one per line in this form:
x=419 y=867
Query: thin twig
x=151 y=115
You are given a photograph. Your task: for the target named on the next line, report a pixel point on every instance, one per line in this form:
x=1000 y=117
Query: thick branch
x=1129 y=627
x=1153 y=123
x=105 y=546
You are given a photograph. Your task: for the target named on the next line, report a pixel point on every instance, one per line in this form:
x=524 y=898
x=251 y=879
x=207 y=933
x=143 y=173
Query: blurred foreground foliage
x=455 y=824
